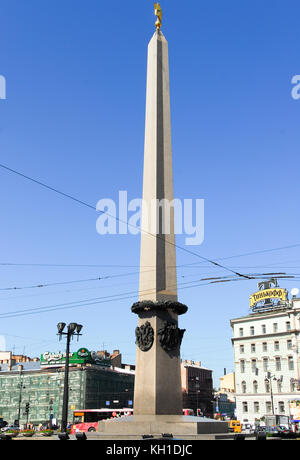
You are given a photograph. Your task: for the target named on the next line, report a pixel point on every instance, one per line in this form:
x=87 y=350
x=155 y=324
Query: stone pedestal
x=157 y=388
x=157 y=425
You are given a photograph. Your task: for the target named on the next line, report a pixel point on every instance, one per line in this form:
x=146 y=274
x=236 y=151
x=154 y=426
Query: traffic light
x=27 y=407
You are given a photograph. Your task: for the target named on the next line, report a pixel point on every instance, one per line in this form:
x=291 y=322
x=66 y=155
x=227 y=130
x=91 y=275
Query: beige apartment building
x=266 y=348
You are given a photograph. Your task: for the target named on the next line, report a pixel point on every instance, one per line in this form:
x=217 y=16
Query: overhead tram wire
x=93 y=299
x=262 y=251
x=83 y=203
x=106 y=277
x=257 y=276
x=13 y=264
x=40 y=285
x=70 y=305
x=115 y=297
x=52 y=284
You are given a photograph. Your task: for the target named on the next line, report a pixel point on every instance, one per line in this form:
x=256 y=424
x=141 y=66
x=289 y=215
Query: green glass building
x=93 y=384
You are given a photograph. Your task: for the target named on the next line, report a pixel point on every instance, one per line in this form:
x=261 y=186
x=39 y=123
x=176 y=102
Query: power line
x=99 y=278
x=148 y=266
x=53 y=284
x=83 y=203
x=120 y=296
x=96 y=300
x=12 y=264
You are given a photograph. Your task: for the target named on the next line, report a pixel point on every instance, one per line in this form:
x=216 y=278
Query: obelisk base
x=156 y=425
x=157 y=386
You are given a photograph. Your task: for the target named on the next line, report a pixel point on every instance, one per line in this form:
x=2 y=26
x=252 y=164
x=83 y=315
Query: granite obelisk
x=157 y=391
x=158 y=256
x=158 y=379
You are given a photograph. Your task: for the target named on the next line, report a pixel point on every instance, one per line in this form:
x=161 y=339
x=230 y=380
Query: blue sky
x=74 y=119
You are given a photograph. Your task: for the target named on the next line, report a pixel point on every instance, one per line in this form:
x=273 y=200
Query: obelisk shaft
x=158 y=257
x=157 y=378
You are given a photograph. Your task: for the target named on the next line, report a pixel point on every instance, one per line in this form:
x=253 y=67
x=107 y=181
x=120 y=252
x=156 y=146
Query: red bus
x=188 y=412
x=87 y=419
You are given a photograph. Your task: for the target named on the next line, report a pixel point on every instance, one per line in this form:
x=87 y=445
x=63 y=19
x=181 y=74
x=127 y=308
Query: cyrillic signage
x=276 y=293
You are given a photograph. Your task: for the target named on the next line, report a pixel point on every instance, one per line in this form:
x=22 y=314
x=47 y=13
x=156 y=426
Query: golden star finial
x=158 y=13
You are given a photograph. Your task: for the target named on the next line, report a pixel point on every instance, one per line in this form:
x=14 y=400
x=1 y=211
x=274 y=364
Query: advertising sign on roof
x=265 y=298
x=82 y=356
x=277 y=293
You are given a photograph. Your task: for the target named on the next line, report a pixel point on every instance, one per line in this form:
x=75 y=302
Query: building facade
x=96 y=380
x=227 y=384
x=224 y=408
x=266 y=356
x=197 y=387
x=93 y=383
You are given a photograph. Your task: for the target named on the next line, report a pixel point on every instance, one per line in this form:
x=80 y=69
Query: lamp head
x=72 y=327
x=78 y=328
x=60 y=327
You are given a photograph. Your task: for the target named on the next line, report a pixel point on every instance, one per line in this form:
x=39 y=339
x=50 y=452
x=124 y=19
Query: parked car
x=247 y=428
x=234 y=426
x=284 y=429
x=260 y=428
x=269 y=430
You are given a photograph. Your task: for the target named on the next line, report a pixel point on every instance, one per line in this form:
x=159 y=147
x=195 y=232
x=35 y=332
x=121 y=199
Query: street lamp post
x=73 y=329
x=51 y=413
x=268 y=379
x=21 y=386
x=27 y=409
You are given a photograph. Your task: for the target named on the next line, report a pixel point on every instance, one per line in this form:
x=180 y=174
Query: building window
x=253 y=365
x=245 y=407
x=291 y=363
x=252 y=330
x=256 y=407
x=275 y=327
x=265 y=346
x=264 y=329
x=267 y=386
x=292 y=385
x=268 y=407
x=279 y=386
x=252 y=347
x=288 y=326
x=281 y=407
x=276 y=346
x=289 y=344
x=242 y=349
x=244 y=387
x=265 y=364
x=241 y=332
x=255 y=386
x=242 y=366
x=278 y=364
